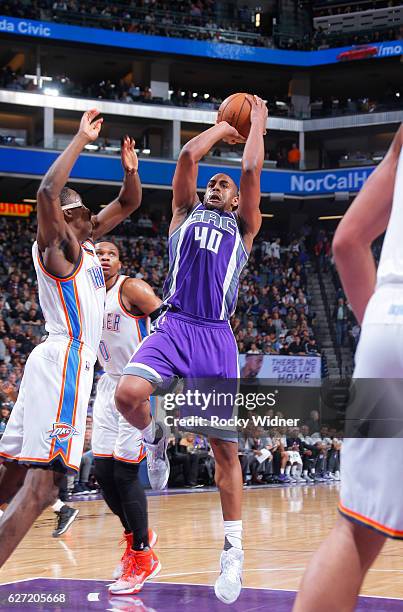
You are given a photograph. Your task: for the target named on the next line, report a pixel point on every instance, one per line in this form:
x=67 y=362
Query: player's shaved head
x=69 y=196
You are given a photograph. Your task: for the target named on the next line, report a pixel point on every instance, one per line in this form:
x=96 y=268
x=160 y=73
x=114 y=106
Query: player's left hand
x=128 y=155
x=90 y=124
x=259 y=112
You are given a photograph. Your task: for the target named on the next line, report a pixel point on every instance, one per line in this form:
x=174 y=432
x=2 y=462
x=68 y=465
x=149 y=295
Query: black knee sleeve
x=104 y=473
x=133 y=501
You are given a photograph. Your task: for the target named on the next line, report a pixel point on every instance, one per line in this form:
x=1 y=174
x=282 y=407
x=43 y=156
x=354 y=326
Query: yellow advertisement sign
x=8 y=209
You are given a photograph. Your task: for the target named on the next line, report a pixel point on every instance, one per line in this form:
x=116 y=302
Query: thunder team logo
x=62 y=432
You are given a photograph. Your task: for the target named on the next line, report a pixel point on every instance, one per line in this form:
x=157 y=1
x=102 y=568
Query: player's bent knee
x=129 y=394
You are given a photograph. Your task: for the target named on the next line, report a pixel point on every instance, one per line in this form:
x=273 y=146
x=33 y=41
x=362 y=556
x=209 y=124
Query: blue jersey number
x=103 y=349
x=209 y=239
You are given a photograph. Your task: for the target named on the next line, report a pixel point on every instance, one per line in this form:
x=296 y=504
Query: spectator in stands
x=294 y=156
x=186 y=461
x=4 y=416
x=8 y=388
x=295 y=347
x=260 y=457
x=354 y=336
x=340 y=316
x=253 y=349
x=313 y=423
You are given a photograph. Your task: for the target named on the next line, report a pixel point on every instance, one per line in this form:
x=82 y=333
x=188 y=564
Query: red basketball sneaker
x=152 y=540
x=139 y=566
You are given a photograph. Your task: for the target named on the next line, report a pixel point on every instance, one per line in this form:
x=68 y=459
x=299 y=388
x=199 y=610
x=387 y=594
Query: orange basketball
x=236 y=111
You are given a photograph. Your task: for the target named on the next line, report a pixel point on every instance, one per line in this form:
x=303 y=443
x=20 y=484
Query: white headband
x=75 y=204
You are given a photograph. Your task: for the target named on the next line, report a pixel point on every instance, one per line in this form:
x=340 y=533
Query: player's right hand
x=231 y=134
x=89 y=125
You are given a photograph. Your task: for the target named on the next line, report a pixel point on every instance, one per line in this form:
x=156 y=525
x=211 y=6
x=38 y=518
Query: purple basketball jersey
x=206 y=258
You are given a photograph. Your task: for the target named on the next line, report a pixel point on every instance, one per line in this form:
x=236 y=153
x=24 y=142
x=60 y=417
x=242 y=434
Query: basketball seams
x=221 y=112
x=239 y=117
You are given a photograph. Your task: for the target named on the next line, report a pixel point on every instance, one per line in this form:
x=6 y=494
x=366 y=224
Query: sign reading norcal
x=156 y=173
x=345 y=180
x=8 y=209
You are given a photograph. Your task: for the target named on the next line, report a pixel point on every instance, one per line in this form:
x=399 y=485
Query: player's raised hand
x=231 y=134
x=128 y=155
x=90 y=124
x=259 y=112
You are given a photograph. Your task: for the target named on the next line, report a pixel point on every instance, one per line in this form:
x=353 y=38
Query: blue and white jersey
x=206 y=257
x=73 y=306
x=122 y=331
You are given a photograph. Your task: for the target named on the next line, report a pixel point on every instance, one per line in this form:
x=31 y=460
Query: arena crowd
x=273 y=317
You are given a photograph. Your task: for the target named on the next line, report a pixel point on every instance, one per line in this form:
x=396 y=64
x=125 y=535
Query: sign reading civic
x=180 y=46
x=29 y=28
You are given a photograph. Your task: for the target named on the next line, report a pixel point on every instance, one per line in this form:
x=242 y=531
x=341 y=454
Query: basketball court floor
x=282 y=527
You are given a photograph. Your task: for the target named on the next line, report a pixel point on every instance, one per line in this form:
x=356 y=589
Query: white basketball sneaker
x=229 y=583
x=157 y=461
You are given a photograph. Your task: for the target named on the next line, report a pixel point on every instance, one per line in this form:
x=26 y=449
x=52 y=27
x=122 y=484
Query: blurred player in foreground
x=65 y=514
x=45 y=434
x=371 y=501
x=118 y=446
x=209 y=244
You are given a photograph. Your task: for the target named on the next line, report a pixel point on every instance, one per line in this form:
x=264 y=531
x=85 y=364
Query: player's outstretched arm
x=185 y=178
x=252 y=164
x=138 y=296
x=56 y=241
x=365 y=220
x=129 y=198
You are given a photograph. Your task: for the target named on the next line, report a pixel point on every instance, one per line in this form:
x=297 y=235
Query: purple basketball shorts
x=186 y=347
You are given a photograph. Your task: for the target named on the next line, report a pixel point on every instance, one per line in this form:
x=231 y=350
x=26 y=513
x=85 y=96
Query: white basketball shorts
x=371 y=468
x=47 y=424
x=112 y=435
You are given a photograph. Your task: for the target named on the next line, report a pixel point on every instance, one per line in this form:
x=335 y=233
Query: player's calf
x=40 y=490
x=12 y=476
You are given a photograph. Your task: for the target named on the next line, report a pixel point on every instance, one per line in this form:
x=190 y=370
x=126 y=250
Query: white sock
x=305 y=473
x=58 y=505
x=281 y=470
x=287 y=470
x=148 y=432
x=233 y=533
x=1 y=513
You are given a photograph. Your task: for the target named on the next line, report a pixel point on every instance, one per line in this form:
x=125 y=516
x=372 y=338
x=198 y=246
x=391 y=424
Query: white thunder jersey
x=122 y=331
x=112 y=435
x=48 y=421
x=379 y=356
x=73 y=306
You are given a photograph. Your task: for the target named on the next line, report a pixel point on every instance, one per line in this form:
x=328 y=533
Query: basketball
x=236 y=111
